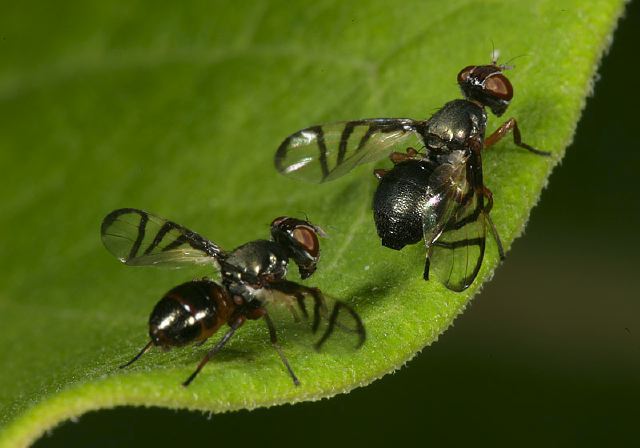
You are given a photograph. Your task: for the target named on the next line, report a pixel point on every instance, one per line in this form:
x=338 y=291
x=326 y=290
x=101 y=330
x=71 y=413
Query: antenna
x=495 y=54
x=507 y=66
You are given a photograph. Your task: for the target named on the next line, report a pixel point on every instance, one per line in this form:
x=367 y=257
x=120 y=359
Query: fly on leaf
x=435 y=193
x=253 y=278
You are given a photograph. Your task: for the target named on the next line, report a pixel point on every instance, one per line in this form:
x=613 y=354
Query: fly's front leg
x=511 y=125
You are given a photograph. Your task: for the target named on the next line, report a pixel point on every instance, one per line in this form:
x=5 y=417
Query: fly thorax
x=457 y=121
x=258 y=258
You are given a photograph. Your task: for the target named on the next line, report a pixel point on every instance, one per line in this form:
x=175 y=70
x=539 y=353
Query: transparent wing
x=448 y=189
x=324 y=153
x=456 y=255
x=138 y=238
x=453 y=225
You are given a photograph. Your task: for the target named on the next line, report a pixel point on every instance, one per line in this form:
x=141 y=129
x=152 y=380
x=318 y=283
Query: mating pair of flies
x=437 y=195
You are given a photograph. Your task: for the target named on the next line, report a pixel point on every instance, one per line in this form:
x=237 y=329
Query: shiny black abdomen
x=186 y=313
x=399 y=202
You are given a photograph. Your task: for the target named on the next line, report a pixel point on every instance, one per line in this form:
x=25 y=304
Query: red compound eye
x=307 y=238
x=499 y=86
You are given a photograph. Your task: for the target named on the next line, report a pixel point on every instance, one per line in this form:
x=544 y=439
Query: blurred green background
x=556 y=363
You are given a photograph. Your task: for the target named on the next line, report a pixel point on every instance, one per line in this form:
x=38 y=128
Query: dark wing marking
x=456 y=255
x=324 y=153
x=138 y=238
x=310 y=304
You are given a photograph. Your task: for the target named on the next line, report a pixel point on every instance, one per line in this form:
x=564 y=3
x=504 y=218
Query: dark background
x=548 y=354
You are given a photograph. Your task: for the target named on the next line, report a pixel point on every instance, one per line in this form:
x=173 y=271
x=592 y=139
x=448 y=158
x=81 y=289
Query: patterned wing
x=454 y=228
x=138 y=238
x=324 y=153
x=325 y=314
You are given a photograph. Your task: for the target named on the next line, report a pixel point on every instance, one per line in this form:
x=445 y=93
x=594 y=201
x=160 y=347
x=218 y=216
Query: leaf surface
x=179 y=111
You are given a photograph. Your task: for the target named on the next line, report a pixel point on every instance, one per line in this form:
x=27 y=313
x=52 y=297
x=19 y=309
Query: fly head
x=300 y=239
x=487 y=85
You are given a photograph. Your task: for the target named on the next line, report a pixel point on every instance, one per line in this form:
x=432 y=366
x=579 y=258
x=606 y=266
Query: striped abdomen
x=190 y=312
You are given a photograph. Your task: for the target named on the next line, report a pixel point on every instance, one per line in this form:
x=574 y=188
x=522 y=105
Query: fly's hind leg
x=211 y=353
x=487 y=208
x=144 y=350
x=427 y=266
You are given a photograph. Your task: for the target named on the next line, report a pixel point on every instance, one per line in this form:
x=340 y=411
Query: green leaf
x=179 y=112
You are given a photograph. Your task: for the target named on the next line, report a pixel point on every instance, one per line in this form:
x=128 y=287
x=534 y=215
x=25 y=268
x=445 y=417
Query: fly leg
x=427 y=266
x=397 y=157
x=274 y=343
x=144 y=350
x=511 y=125
x=380 y=173
x=487 y=208
x=234 y=326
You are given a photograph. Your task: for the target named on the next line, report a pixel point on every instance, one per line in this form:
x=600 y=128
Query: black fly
x=253 y=276
x=438 y=196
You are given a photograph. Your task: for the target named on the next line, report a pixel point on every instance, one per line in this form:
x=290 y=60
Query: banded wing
x=138 y=238
x=455 y=230
x=325 y=314
x=324 y=153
